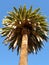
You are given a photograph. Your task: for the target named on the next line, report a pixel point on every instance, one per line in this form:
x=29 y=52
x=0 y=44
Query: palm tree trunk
x=24 y=52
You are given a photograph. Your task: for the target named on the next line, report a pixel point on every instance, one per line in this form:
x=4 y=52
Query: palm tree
x=26 y=30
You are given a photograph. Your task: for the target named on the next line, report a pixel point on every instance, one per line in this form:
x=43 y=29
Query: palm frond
x=22 y=21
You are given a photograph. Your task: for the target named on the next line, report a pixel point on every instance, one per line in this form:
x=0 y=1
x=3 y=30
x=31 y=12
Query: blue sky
x=11 y=58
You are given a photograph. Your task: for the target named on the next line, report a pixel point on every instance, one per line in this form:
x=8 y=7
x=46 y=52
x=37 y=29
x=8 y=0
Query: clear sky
x=11 y=58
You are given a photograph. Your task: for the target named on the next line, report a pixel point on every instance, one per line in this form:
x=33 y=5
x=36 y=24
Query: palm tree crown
x=23 y=21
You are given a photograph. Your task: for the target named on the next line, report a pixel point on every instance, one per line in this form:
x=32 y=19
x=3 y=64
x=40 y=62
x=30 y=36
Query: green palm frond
x=22 y=21
x=36 y=11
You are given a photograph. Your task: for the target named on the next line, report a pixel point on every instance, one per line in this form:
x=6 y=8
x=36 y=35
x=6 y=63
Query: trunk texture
x=24 y=52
